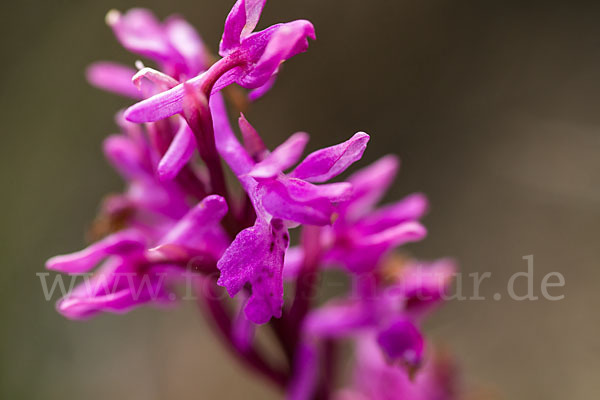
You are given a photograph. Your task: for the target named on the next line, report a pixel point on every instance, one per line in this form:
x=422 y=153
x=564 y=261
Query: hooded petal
x=257 y=60
x=327 y=163
x=256 y=257
x=82 y=261
x=113 y=77
x=178 y=154
x=262 y=52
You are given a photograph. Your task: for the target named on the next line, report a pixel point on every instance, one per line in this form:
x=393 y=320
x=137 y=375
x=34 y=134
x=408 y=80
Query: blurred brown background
x=492 y=105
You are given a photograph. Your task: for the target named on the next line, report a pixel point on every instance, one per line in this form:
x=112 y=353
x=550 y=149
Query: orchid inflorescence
x=178 y=217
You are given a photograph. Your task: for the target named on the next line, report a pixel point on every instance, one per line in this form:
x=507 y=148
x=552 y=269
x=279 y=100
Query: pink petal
x=264 y=52
x=305 y=191
x=277 y=201
x=252 y=141
x=329 y=162
x=227 y=144
x=178 y=154
x=284 y=156
x=161 y=105
x=294 y=258
x=240 y=22
x=424 y=284
x=306 y=371
x=86 y=259
x=260 y=91
x=204 y=216
x=125 y=292
x=114 y=78
x=370 y=184
x=339 y=318
x=243 y=330
x=396 y=235
x=139 y=31
x=162 y=81
x=184 y=38
x=125 y=156
x=410 y=208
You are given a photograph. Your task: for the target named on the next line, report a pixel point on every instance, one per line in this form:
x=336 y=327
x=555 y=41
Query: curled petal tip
x=112 y=17
x=130 y=115
x=165 y=173
x=54 y=263
x=362 y=136
x=415 y=231
x=157 y=77
x=112 y=77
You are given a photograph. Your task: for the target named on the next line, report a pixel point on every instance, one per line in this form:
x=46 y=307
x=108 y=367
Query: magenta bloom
x=250 y=59
x=389 y=314
x=392 y=312
x=257 y=254
x=174 y=46
x=375 y=379
x=362 y=234
x=163 y=232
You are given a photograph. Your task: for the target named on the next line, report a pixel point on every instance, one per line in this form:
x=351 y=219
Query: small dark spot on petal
x=277 y=224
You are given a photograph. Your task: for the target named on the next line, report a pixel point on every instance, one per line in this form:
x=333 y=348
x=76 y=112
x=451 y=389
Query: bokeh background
x=492 y=106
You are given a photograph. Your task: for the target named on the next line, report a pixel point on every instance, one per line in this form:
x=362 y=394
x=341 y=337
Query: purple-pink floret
x=374 y=378
x=280 y=201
